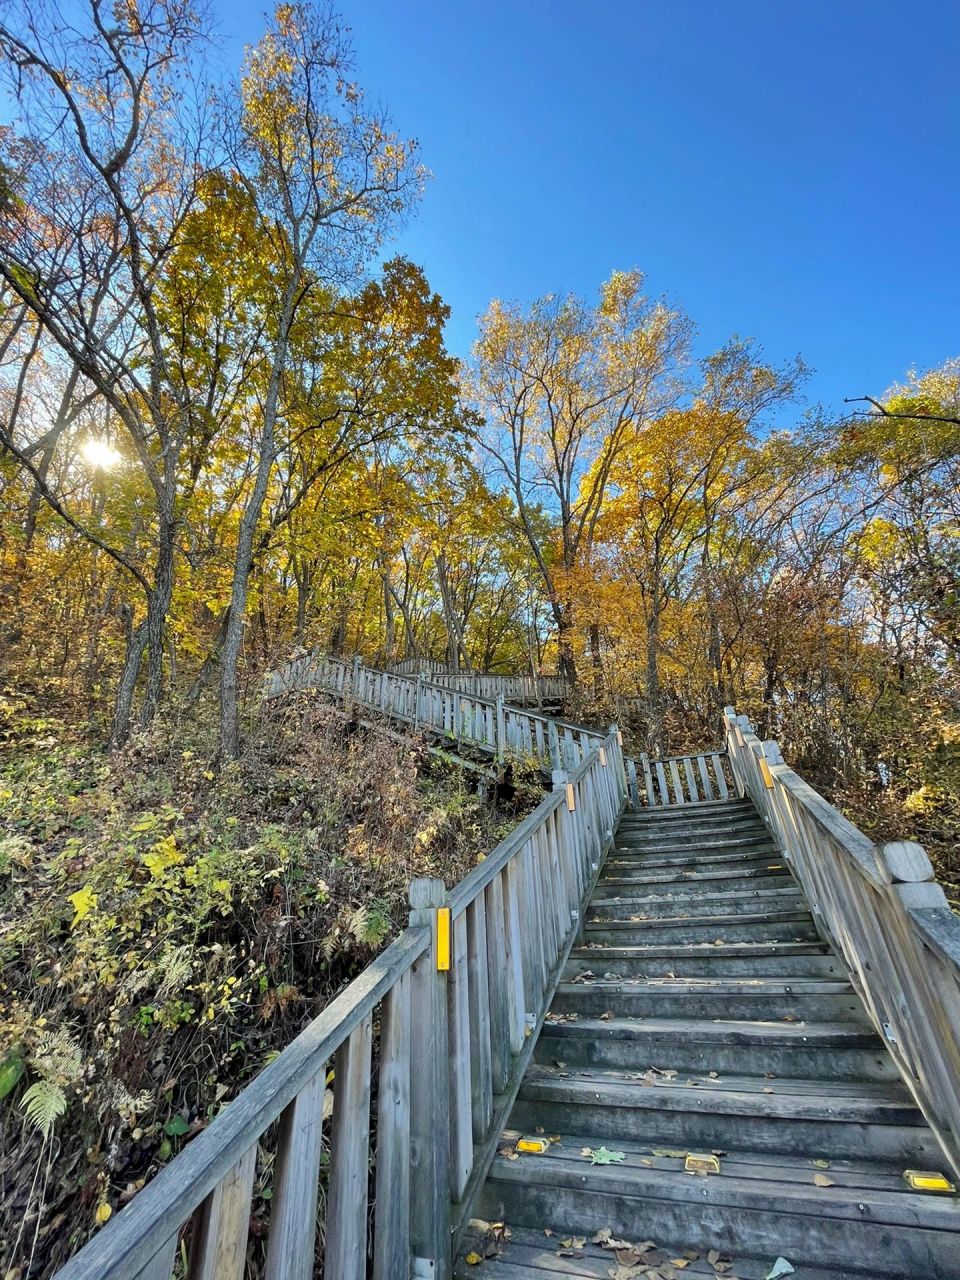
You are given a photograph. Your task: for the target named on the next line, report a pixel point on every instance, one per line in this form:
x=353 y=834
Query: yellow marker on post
x=765 y=771
x=571 y=797
x=443 y=939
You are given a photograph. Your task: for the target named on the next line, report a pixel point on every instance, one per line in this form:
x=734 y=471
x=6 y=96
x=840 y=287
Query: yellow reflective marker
x=922 y=1180
x=765 y=770
x=443 y=939
x=603 y=757
x=533 y=1146
x=619 y=738
x=701 y=1164
x=571 y=797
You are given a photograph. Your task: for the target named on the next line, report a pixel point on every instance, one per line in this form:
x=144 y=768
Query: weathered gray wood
x=516 y=1002
x=429 y=1091
x=293 y=1210
x=708 y=792
x=675 y=779
x=346 y=1236
x=691 y=781
x=718 y=774
x=461 y=1118
x=160 y=1266
x=391 y=1242
x=662 y=783
x=648 y=780
x=906 y=861
x=497 y=980
x=220 y=1240
x=481 y=1072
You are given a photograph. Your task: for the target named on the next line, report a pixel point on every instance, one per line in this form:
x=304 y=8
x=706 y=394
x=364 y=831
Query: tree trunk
x=596 y=660
x=123 y=707
x=654 y=699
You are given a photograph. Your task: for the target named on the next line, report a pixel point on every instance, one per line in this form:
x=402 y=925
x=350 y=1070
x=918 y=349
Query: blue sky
x=783 y=169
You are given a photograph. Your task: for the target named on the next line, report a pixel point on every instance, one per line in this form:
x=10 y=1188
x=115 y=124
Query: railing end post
x=907 y=862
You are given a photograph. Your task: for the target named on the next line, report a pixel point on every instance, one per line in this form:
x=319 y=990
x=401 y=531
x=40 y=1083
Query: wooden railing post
x=501 y=728
x=429 y=1093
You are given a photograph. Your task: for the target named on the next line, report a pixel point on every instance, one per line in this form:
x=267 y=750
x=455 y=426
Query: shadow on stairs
x=707 y=1090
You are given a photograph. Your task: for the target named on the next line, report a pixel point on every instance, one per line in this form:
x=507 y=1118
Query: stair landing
x=703 y=1016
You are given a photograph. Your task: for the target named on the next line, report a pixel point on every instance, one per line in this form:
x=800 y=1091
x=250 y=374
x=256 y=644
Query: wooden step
x=697 y=950
x=749 y=824
x=805 y=959
x=848 y=1050
x=530 y=1254
x=786 y=926
x=769 y=999
x=699 y=846
x=866 y=1224
x=875 y=1119
x=757 y=898
x=683 y=812
x=643 y=863
x=690 y=880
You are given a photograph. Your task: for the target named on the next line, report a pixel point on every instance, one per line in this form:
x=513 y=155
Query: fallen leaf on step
x=600 y=1155
x=822 y=1164
x=780 y=1268
x=547 y=1231
x=605 y=1017
x=472 y=1259
x=713 y=1256
x=669 y=1152
x=680 y=1262
x=768 y=1091
x=508 y=1153
x=821 y=1180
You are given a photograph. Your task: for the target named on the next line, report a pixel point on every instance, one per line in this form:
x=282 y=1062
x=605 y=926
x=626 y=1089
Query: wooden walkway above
x=766 y=908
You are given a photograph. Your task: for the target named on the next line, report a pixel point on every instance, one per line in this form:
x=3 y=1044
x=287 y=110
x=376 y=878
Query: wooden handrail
x=492 y=724
x=884 y=914
x=453 y=1012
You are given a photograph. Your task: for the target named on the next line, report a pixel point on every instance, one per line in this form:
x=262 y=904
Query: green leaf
x=175 y=1127
x=11 y=1069
x=602 y=1156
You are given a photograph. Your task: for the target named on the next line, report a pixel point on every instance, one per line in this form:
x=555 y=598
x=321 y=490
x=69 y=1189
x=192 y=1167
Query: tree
x=564 y=389
x=105 y=173
x=326 y=177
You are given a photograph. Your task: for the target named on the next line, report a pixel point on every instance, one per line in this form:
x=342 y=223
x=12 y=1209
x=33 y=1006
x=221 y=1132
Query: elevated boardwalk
x=739 y=1018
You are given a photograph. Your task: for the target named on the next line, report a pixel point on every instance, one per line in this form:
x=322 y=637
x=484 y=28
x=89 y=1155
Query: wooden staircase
x=701 y=1015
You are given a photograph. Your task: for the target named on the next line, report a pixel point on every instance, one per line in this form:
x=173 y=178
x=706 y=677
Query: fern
x=43 y=1104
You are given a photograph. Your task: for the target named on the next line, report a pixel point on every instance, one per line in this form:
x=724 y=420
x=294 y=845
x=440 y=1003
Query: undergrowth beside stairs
x=166 y=927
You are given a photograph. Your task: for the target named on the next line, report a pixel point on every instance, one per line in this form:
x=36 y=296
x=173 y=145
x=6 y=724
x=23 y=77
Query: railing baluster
x=219 y=1250
x=293 y=1218
x=691 y=781
x=516 y=1003
x=346 y=1236
x=481 y=1070
x=391 y=1245
x=461 y=1117
x=497 y=979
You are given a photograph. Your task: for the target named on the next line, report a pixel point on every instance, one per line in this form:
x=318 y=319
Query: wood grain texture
x=346 y=1235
